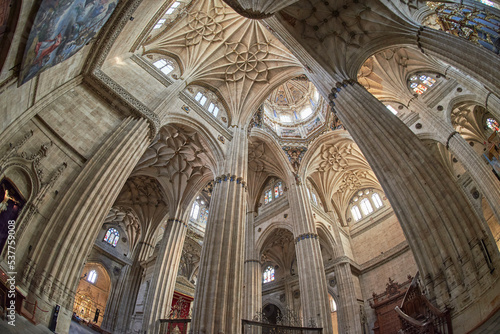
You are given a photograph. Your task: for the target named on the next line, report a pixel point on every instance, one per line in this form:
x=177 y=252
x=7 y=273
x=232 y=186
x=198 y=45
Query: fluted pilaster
x=252 y=282
x=347 y=306
x=217 y=302
x=59 y=261
x=312 y=279
x=162 y=286
x=442 y=229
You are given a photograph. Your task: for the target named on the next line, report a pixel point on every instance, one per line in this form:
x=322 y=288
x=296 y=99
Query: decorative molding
x=248 y=13
x=106 y=84
x=152 y=70
x=231 y=178
x=174 y=220
x=306 y=236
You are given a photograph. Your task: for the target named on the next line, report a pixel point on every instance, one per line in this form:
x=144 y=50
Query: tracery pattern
x=205 y=26
x=247 y=61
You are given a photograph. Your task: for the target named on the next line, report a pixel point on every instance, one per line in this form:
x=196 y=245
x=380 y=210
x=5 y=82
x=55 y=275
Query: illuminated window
x=198 y=96
x=333 y=305
x=315 y=200
x=92 y=277
x=421 y=83
x=285 y=118
x=366 y=206
x=163 y=66
x=112 y=237
x=268 y=197
x=364 y=203
x=195 y=210
x=493 y=124
x=268 y=275
x=306 y=112
x=203 y=216
x=173 y=7
x=159 y=23
x=278 y=190
x=355 y=213
x=391 y=108
x=376 y=200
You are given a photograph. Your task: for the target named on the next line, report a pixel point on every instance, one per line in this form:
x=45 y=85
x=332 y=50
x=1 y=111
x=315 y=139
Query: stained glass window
x=268 y=275
x=92 y=276
x=421 y=83
x=493 y=124
x=112 y=237
x=203 y=216
x=278 y=190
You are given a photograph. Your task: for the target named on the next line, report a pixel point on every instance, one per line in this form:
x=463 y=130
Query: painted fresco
x=61 y=29
x=10 y=206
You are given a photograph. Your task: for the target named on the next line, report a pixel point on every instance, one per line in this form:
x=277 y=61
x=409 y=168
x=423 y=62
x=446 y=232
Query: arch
x=175 y=57
x=91 y=296
x=261 y=240
x=219 y=96
x=455 y=102
x=327 y=239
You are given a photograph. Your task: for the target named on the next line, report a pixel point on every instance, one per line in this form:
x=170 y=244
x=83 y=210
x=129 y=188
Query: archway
x=92 y=294
x=272 y=313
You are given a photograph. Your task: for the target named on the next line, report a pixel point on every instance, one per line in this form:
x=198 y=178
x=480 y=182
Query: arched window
x=366 y=206
x=200 y=98
x=92 y=277
x=420 y=83
x=364 y=203
x=492 y=124
x=268 y=275
x=333 y=305
x=376 y=200
x=268 y=196
x=278 y=190
x=195 y=210
x=112 y=237
x=355 y=213
x=163 y=65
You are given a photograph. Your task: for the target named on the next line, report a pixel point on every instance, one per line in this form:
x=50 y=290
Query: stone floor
x=23 y=326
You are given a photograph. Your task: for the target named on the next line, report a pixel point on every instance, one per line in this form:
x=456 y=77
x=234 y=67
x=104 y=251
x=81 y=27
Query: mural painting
x=10 y=206
x=61 y=28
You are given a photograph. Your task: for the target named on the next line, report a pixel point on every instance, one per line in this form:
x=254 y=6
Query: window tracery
x=420 y=83
x=209 y=101
x=364 y=203
x=112 y=236
x=268 y=275
x=492 y=124
x=275 y=189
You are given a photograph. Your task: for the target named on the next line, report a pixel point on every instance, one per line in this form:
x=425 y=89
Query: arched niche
x=92 y=293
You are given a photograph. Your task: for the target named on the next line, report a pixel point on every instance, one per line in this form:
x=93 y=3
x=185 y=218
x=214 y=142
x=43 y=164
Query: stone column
x=252 y=284
x=442 y=229
x=217 y=302
x=477 y=61
x=480 y=172
x=311 y=271
x=161 y=290
x=59 y=261
x=347 y=306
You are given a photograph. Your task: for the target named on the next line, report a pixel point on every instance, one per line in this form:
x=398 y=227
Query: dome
x=295 y=109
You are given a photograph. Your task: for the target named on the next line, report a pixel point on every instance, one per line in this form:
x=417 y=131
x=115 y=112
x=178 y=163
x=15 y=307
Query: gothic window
x=492 y=124
x=315 y=200
x=201 y=98
x=364 y=203
x=420 y=83
x=112 y=237
x=203 y=216
x=278 y=190
x=376 y=200
x=195 y=210
x=366 y=206
x=163 y=65
x=355 y=213
x=268 y=275
x=268 y=197
x=333 y=305
x=159 y=23
x=212 y=108
x=92 y=277
x=172 y=8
